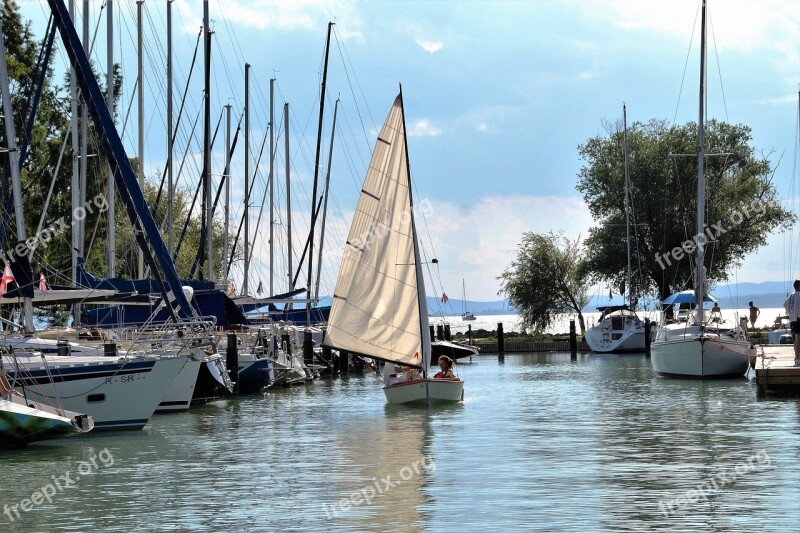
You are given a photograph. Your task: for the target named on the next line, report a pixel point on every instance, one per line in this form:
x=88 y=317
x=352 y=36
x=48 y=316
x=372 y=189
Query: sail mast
x=701 y=183
x=288 y=197
x=246 y=274
x=170 y=138
x=110 y=215
x=425 y=334
x=13 y=163
x=325 y=202
x=140 y=99
x=627 y=199
x=316 y=172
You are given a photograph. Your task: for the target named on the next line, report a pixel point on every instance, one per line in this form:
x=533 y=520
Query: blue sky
x=498 y=96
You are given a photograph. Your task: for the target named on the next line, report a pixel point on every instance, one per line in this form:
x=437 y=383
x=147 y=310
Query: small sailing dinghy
x=379 y=309
x=24 y=420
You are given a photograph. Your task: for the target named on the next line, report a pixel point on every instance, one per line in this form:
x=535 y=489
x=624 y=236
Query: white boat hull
x=179 y=395
x=695 y=356
x=628 y=341
x=616 y=333
x=115 y=395
x=425 y=391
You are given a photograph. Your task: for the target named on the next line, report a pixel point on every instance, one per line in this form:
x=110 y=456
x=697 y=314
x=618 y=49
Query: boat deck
x=776 y=373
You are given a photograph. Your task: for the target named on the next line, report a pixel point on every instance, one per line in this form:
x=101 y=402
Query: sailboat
x=24 y=420
x=465 y=315
x=697 y=347
x=379 y=308
x=619 y=328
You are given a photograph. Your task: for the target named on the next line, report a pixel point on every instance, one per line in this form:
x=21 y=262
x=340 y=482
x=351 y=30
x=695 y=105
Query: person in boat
x=716 y=313
x=446 y=369
x=401 y=374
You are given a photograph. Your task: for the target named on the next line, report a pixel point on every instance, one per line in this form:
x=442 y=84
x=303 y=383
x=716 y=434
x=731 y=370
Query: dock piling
x=232 y=360
x=308 y=348
x=501 y=343
x=573 y=339
x=647 y=338
x=447 y=332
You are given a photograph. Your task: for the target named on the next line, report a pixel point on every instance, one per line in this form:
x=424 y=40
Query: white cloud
x=262 y=15
x=734 y=24
x=478 y=242
x=429 y=46
x=424 y=128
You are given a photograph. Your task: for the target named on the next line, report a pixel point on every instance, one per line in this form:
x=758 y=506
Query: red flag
x=42 y=282
x=444 y=298
x=7 y=277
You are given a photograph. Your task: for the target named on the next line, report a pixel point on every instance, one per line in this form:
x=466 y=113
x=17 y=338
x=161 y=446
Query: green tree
x=546 y=278
x=741 y=209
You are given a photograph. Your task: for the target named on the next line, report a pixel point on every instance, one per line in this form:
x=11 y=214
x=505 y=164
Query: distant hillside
x=768 y=294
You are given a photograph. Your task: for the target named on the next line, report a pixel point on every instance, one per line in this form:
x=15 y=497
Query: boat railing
x=169 y=336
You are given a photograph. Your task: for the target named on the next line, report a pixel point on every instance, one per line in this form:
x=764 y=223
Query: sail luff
x=376 y=307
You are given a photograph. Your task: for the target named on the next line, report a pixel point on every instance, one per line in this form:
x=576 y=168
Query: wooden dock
x=776 y=373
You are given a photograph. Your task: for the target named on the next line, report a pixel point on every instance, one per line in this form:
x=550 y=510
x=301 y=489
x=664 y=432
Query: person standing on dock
x=754 y=313
x=792 y=306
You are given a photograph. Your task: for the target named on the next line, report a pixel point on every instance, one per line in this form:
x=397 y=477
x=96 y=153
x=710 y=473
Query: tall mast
x=424 y=329
x=701 y=176
x=316 y=172
x=227 y=178
x=246 y=177
x=74 y=182
x=110 y=216
x=271 y=185
x=170 y=144
x=209 y=208
x=627 y=200
x=288 y=197
x=84 y=145
x=325 y=202
x=13 y=163
x=141 y=113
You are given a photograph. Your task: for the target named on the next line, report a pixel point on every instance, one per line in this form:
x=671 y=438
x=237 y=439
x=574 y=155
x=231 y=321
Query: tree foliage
x=741 y=208
x=546 y=278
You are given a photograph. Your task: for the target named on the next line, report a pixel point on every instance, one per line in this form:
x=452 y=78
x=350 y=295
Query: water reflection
x=542 y=442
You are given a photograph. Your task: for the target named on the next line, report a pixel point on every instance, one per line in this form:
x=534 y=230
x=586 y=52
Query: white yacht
x=618 y=330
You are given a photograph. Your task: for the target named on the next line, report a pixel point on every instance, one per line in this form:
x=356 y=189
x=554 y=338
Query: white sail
x=376 y=303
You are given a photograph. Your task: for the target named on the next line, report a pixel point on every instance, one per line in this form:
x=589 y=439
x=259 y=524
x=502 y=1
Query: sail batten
x=376 y=311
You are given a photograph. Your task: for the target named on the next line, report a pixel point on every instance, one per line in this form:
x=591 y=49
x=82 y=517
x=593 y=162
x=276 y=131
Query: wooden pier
x=776 y=373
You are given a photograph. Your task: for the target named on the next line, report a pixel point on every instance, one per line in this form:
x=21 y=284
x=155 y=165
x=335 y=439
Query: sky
x=498 y=97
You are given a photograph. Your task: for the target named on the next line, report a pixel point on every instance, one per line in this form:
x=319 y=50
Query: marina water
x=541 y=442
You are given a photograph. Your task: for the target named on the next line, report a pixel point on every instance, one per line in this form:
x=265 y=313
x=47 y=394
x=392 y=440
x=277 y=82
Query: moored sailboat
x=696 y=347
x=619 y=329
x=379 y=308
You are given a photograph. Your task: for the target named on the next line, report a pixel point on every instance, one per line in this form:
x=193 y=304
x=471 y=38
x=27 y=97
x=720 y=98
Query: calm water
x=541 y=443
